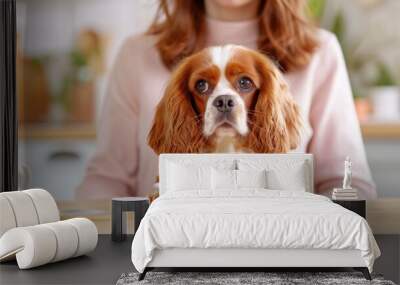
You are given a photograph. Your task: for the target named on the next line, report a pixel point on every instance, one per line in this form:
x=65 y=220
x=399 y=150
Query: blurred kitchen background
x=66 y=48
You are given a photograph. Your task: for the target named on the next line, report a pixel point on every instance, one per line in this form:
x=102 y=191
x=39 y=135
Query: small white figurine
x=347 y=173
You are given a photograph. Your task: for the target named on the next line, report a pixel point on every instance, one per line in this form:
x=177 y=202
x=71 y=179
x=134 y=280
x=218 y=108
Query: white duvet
x=252 y=218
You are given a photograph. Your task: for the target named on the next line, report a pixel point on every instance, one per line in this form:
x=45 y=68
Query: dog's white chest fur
x=225 y=141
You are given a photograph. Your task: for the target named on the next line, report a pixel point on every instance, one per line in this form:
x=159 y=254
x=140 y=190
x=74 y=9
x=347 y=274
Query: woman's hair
x=285 y=34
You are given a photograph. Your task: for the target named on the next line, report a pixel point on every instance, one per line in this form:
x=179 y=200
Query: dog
x=226 y=99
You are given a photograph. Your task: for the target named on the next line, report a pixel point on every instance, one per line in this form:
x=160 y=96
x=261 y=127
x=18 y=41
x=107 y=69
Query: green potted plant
x=385 y=96
x=374 y=87
x=86 y=65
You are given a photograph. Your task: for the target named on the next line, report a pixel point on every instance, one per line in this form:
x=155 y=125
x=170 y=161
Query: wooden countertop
x=88 y=131
x=381 y=130
x=99 y=211
x=54 y=131
x=383 y=215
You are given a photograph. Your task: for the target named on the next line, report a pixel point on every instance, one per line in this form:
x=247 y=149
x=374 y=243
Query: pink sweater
x=124 y=165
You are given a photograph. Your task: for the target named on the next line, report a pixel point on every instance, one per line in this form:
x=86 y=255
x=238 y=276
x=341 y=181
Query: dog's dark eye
x=245 y=84
x=201 y=86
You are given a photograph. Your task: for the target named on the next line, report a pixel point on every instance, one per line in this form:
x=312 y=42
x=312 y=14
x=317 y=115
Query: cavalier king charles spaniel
x=226 y=99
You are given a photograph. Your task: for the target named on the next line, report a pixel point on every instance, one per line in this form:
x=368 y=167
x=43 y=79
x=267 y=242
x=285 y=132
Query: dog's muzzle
x=224 y=103
x=225 y=112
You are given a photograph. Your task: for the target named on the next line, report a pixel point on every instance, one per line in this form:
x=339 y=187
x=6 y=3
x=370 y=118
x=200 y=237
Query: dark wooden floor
x=110 y=260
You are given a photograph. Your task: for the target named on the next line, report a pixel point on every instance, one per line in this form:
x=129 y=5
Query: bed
x=247 y=211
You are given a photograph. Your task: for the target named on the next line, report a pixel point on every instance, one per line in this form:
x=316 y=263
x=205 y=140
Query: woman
x=311 y=60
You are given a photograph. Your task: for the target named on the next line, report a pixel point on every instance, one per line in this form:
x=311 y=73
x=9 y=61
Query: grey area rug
x=232 y=278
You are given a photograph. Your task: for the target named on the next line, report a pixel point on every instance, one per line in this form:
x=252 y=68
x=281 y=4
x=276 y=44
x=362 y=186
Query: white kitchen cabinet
x=57 y=165
x=384 y=160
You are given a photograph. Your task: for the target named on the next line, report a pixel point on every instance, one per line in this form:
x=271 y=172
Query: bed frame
x=236 y=259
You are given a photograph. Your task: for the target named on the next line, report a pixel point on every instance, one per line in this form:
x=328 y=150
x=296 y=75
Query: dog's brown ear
x=176 y=127
x=275 y=122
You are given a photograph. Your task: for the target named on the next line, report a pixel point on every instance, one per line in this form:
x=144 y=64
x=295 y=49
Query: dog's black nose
x=224 y=103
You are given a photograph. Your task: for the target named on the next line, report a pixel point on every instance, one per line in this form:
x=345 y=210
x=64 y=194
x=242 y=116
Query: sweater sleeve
x=113 y=169
x=336 y=130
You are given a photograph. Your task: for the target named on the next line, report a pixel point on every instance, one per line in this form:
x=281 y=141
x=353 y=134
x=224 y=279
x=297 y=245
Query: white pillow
x=223 y=179
x=227 y=179
x=182 y=177
x=281 y=175
x=251 y=179
x=293 y=181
